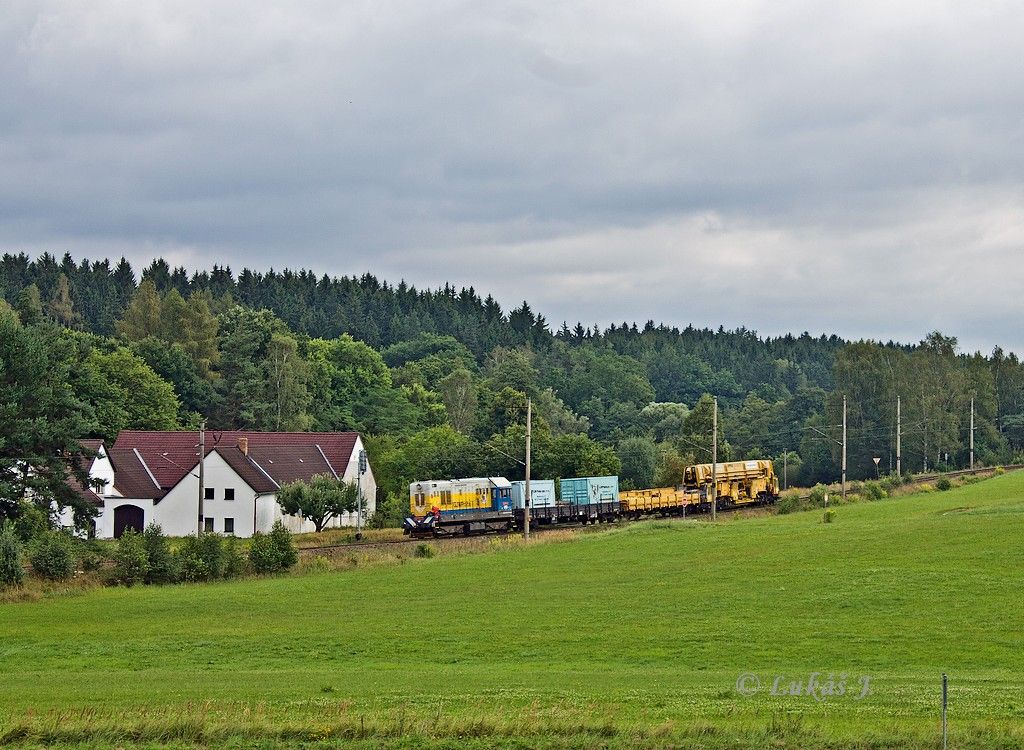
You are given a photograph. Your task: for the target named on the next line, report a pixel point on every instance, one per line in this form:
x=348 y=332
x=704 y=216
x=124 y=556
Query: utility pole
x=202 y=485
x=972 y=433
x=714 y=462
x=844 y=448
x=899 y=435
x=526 y=488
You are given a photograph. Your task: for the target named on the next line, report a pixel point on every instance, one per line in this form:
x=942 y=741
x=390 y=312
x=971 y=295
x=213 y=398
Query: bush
x=52 y=556
x=161 y=564
x=890 y=483
x=873 y=491
x=818 y=493
x=1000 y=470
x=234 y=563
x=274 y=552
x=390 y=513
x=131 y=563
x=424 y=550
x=11 y=572
x=202 y=558
x=286 y=548
x=91 y=555
x=943 y=484
x=792 y=503
x=263 y=554
x=829 y=516
x=31 y=522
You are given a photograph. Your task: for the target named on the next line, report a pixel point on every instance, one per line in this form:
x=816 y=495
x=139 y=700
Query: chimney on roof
x=243 y=445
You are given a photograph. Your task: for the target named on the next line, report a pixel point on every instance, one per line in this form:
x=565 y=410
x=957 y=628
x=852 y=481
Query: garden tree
x=41 y=421
x=459 y=393
x=60 y=308
x=319 y=501
x=122 y=390
x=30 y=306
x=664 y=420
x=639 y=459
x=142 y=318
x=197 y=395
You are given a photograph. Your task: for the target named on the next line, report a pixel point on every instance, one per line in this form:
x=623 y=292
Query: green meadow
x=633 y=637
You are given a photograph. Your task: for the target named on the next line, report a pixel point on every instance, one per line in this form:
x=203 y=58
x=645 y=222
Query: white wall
x=105 y=519
x=351 y=474
x=178 y=510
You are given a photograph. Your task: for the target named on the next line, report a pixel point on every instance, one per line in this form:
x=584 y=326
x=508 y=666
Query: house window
x=208 y=524
x=208 y=493
x=229 y=493
x=229 y=525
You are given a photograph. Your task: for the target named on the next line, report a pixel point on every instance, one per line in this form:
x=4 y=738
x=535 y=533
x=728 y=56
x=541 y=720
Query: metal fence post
x=945 y=695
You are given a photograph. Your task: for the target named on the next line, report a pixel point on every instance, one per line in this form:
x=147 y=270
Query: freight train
x=448 y=507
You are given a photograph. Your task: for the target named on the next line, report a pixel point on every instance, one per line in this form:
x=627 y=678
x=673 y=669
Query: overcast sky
x=785 y=166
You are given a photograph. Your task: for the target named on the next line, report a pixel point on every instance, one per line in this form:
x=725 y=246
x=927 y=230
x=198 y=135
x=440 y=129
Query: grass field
x=631 y=638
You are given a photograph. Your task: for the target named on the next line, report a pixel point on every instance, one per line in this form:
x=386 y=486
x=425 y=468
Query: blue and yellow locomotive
x=460 y=506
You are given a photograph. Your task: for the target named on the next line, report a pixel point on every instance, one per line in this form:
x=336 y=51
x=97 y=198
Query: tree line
x=438 y=380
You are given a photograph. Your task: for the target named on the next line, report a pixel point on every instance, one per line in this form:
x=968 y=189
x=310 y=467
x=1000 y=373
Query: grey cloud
x=782 y=166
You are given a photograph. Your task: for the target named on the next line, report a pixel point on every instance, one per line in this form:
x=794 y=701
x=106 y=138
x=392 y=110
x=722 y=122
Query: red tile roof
x=289 y=463
x=170 y=456
x=131 y=478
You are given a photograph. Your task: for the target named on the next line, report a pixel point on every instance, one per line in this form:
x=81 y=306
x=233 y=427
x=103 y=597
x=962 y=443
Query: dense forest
x=438 y=380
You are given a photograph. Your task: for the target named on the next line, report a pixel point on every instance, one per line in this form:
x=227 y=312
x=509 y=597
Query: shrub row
x=148 y=558
x=145 y=558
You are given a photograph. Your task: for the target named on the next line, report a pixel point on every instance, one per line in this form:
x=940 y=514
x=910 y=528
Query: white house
x=154 y=477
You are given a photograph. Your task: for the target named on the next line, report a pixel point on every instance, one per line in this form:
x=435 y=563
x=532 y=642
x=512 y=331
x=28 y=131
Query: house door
x=128 y=517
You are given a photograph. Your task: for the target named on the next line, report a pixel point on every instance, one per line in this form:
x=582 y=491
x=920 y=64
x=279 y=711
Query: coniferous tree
x=60 y=309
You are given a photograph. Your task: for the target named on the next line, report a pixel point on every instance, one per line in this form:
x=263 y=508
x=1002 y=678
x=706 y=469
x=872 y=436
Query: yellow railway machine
x=738 y=483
